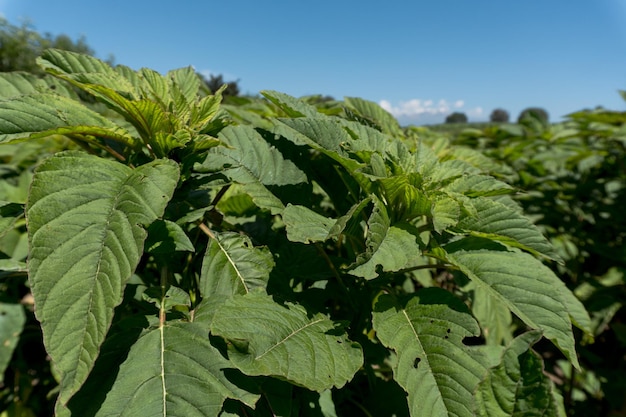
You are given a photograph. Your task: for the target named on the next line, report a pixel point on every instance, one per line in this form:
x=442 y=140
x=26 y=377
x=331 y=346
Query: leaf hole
x=416 y=362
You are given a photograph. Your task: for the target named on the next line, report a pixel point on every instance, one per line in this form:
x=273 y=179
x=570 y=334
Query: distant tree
x=534 y=112
x=499 y=116
x=456 y=117
x=216 y=81
x=21 y=45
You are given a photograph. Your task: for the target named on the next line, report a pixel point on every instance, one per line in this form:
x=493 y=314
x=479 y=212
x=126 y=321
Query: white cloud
x=415 y=107
x=428 y=111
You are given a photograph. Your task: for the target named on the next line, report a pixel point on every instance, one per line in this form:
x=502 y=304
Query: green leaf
x=12 y=320
x=9 y=213
x=382 y=119
x=35 y=116
x=391 y=248
x=250 y=159
x=405 y=197
x=287 y=342
x=478 y=186
x=518 y=385
x=446 y=212
x=291 y=105
x=13 y=84
x=184 y=87
x=165 y=236
x=493 y=315
x=500 y=223
x=232 y=265
x=326 y=135
x=434 y=367
x=306 y=226
x=527 y=287
x=86 y=219
x=85 y=71
x=172 y=371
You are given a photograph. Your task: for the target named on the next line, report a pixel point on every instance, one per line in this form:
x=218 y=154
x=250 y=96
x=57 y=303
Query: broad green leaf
x=479 y=160
x=86 y=219
x=518 y=385
x=250 y=159
x=291 y=105
x=165 y=236
x=173 y=297
x=184 y=87
x=306 y=226
x=376 y=114
x=232 y=265
x=500 y=223
x=493 y=315
x=434 y=367
x=9 y=213
x=35 y=116
x=13 y=84
x=157 y=88
x=326 y=135
x=446 y=212
x=172 y=371
x=527 y=287
x=263 y=198
x=206 y=110
x=12 y=319
x=82 y=70
x=366 y=139
x=286 y=341
x=390 y=248
x=478 y=186
x=405 y=197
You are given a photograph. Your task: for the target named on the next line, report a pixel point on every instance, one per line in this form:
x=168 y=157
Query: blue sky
x=419 y=59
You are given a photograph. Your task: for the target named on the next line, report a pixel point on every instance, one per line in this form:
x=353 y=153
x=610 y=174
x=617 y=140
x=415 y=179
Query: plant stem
x=164 y=273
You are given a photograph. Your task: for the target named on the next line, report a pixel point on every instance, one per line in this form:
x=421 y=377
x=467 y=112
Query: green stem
x=164 y=274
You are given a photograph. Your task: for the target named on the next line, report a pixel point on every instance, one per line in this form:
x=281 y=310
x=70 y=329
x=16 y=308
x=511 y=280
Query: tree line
x=502 y=116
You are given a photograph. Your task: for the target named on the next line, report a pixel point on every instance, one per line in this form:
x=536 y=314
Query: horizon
x=421 y=61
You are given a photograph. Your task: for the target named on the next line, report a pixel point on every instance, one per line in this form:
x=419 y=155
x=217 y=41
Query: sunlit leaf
x=434 y=367
x=527 y=287
x=34 y=116
x=86 y=219
x=172 y=371
x=376 y=114
x=498 y=222
x=518 y=385
x=232 y=265
x=390 y=248
x=285 y=341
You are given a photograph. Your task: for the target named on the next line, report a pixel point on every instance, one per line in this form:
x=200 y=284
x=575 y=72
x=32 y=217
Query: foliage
x=21 y=45
x=267 y=257
x=499 y=116
x=530 y=113
x=572 y=178
x=456 y=117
